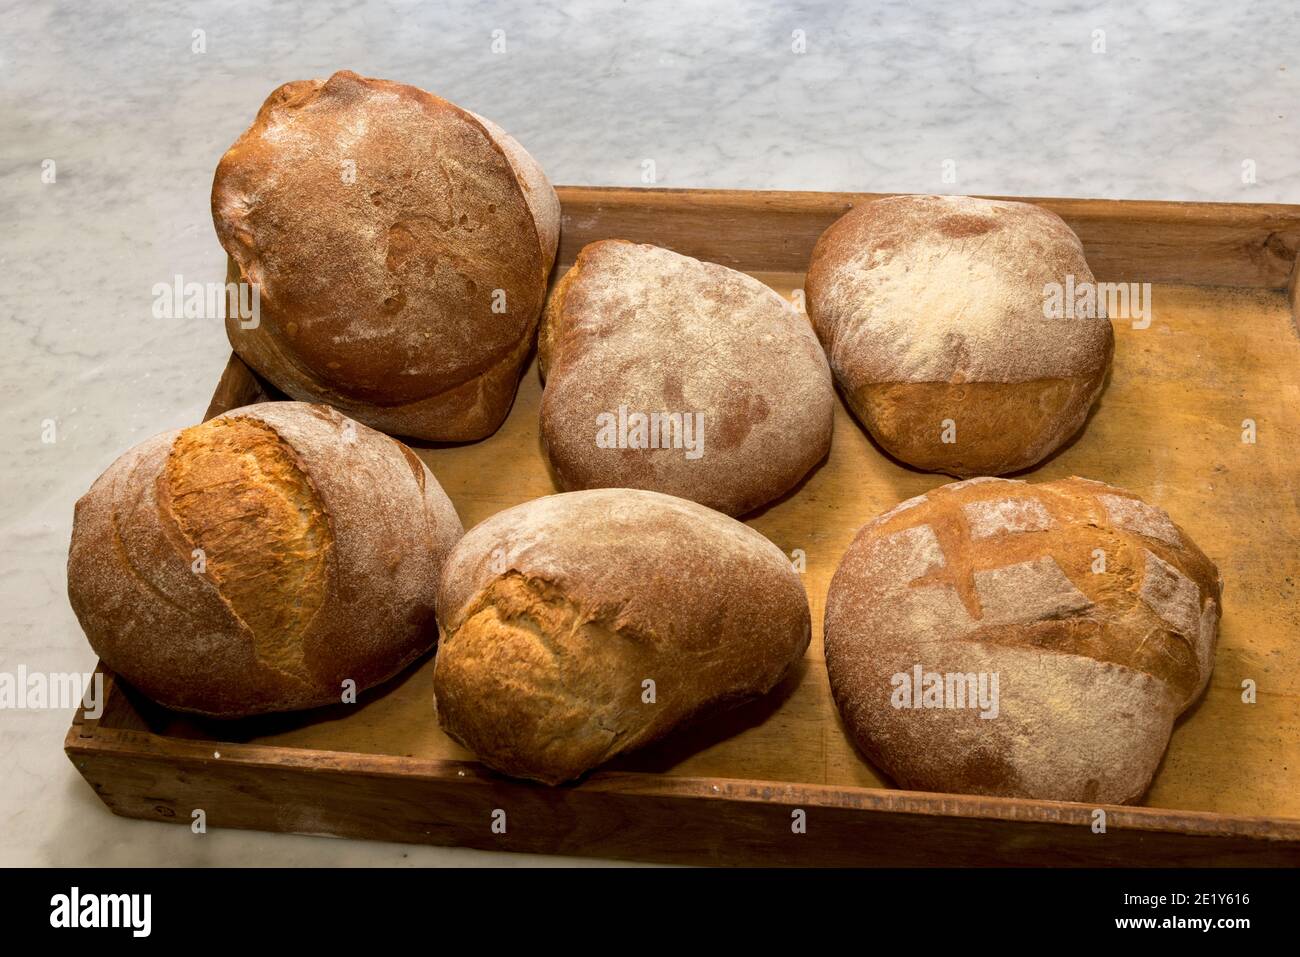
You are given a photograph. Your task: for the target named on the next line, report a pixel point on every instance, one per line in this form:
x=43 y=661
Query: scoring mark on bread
x=236 y=490
x=1134 y=515
x=963 y=537
x=1027 y=592
x=1006 y=516
x=413 y=461
x=996 y=546
x=1172 y=595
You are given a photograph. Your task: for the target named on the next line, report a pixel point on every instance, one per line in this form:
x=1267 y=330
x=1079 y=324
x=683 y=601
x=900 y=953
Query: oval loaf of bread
x=934 y=314
x=258 y=561
x=680 y=376
x=996 y=637
x=582 y=625
x=400 y=247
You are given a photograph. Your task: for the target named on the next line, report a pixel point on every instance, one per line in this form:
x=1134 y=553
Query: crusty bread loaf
x=931 y=309
x=1096 y=615
x=400 y=247
x=257 y=561
x=729 y=381
x=554 y=614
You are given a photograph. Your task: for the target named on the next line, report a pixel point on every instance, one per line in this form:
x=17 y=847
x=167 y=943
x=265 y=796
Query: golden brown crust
x=239 y=494
x=551 y=329
x=1096 y=612
x=256 y=562
x=400 y=248
x=553 y=614
x=997 y=427
x=931 y=310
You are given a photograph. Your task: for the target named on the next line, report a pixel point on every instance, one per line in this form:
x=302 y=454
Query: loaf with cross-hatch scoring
x=582 y=625
x=997 y=637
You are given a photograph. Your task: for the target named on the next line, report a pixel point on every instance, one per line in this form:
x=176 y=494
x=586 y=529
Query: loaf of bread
x=996 y=637
x=259 y=561
x=679 y=376
x=934 y=314
x=400 y=247
x=582 y=625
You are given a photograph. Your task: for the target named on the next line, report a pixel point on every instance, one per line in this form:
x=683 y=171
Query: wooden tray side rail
x=632 y=816
x=1205 y=244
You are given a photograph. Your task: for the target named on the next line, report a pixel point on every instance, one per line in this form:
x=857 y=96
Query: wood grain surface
x=1221 y=348
x=1199 y=243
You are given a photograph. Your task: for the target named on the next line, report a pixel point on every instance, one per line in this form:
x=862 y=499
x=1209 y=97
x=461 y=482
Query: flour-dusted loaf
x=400 y=247
x=582 y=625
x=258 y=561
x=1079 y=618
x=932 y=312
x=679 y=376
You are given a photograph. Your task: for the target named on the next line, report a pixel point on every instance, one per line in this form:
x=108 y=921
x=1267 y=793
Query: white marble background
x=1012 y=92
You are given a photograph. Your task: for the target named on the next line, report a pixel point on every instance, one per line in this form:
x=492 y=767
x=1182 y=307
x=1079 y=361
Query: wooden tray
x=1222 y=347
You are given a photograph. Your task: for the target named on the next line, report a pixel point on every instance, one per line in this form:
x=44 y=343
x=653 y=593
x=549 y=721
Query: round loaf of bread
x=679 y=376
x=400 y=248
x=258 y=561
x=934 y=314
x=582 y=625
x=996 y=637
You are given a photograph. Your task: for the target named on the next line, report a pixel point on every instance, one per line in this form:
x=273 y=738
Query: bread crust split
x=554 y=614
x=400 y=247
x=633 y=330
x=931 y=311
x=256 y=562
x=1096 y=613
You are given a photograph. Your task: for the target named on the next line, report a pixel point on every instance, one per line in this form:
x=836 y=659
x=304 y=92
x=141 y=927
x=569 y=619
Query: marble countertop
x=1160 y=100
